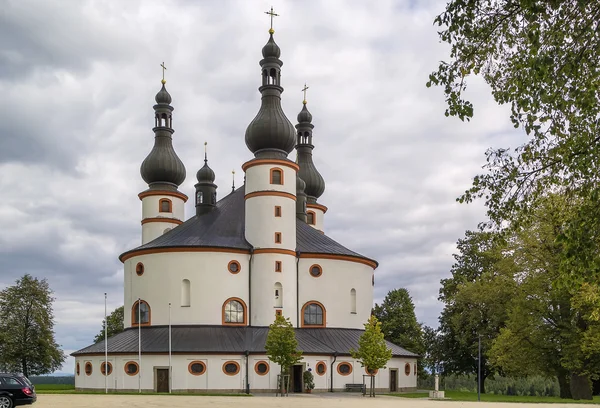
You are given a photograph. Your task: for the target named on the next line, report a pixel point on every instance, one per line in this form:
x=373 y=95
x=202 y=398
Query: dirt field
x=302 y=400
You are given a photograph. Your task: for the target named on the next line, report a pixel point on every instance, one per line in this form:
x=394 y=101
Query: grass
x=472 y=396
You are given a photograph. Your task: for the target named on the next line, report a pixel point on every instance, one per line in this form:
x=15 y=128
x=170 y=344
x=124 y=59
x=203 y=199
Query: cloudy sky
x=78 y=80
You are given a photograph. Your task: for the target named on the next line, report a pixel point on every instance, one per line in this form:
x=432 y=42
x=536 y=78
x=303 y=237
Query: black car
x=15 y=389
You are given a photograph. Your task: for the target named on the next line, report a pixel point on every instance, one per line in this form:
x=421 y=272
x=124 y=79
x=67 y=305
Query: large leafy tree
x=373 y=353
x=114 y=324
x=27 y=341
x=542 y=57
x=399 y=322
x=282 y=346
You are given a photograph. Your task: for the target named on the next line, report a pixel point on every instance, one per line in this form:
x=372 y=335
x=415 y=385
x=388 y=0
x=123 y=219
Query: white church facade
x=200 y=293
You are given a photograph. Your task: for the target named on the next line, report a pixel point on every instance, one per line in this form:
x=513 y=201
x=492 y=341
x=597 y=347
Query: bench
x=355 y=387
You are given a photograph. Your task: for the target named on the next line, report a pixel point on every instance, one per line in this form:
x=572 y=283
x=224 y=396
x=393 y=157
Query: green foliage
x=532 y=386
x=27 y=343
x=399 y=322
x=281 y=344
x=372 y=351
x=308 y=378
x=114 y=326
x=434 y=353
x=472 y=396
x=542 y=57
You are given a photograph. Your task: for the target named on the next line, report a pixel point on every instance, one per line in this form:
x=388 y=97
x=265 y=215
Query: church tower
x=270 y=199
x=162 y=202
x=206 y=189
x=315 y=185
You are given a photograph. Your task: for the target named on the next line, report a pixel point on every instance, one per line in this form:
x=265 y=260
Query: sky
x=79 y=80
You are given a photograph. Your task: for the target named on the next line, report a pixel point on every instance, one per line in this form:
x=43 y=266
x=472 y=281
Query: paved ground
x=300 y=401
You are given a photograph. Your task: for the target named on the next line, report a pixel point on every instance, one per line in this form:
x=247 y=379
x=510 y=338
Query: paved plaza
x=339 y=400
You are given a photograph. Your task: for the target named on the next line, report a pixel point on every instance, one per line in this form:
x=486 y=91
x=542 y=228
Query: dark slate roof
x=223 y=227
x=223 y=339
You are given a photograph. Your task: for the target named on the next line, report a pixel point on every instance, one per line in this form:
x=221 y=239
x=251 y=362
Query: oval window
x=139 y=269
x=88 y=368
x=316 y=271
x=371 y=372
x=131 y=368
x=197 y=368
x=344 y=369
x=234 y=267
x=77 y=368
x=261 y=368
x=407 y=369
x=103 y=368
x=231 y=368
x=321 y=368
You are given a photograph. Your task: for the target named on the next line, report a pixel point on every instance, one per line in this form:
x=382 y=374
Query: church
x=200 y=293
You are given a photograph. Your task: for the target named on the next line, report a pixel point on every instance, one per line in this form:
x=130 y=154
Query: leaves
x=281 y=344
x=114 y=324
x=372 y=353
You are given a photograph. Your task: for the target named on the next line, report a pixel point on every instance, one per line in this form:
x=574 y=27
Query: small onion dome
x=205 y=174
x=163 y=97
x=271 y=49
x=300 y=184
x=304 y=115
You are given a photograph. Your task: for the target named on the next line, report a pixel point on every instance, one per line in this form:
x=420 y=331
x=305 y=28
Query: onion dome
x=315 y=185
x=205 y=174
x=206 y=189
x=270 y=134
x=162 y=168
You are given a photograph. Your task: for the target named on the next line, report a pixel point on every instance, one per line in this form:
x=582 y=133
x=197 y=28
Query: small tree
x=115 y=324
x=372 y=352
x=282 y=346
x=27 y=327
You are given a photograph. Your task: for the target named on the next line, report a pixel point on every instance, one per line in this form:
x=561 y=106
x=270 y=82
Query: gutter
x=247 y=377
x=250 y=288
x=331 y=370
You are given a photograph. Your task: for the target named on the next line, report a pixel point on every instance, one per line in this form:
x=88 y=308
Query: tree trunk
x=24 y=368
x=581 y=387
x=596 y=387
x=483 y=377
x=564 y=384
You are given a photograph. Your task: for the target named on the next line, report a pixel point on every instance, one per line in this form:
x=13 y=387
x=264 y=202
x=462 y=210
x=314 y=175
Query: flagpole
x=105 y=349
x=170 y=367
x=139 y=305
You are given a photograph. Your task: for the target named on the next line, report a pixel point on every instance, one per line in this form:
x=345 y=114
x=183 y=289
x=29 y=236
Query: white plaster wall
x=215 y=379
x=150 y=207
x=332 y=290
x=162 y=280
x=153 y=230
x=258 y=178
x=319 y=219
x=261 y=223
x=264 y=278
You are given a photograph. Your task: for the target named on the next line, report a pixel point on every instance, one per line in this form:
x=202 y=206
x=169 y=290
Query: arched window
x=278 y=289
x=234 y=312
x=313 y=315
x=353 y=300
x=140 y=313
x=165 y=205
x=185 y=293
x=276 y=176
x=310 y=217
x=199 y=197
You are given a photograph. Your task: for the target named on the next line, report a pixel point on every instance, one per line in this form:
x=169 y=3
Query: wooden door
x=162 y=380
x=393 y=380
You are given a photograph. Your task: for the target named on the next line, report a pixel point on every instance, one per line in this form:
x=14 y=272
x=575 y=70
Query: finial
x=205 y=148
x=272 y=14
x=163 y=78
x=304 y=90
x=233 y=181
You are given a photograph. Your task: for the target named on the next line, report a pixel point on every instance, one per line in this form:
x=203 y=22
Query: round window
x=371 y=372
x=234 y=267
x=344 y=368
x=316 y=271
x=131 y=368
x=231 y=368
x=407 y=369
x=103 y=368
x=321 y=368
x=261 y=368
x=197 y=368
x=139 y=269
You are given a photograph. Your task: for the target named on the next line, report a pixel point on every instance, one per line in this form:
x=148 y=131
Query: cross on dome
x=272 y=14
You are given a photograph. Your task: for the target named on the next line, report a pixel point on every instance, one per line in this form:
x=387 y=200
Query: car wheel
x=5 y=402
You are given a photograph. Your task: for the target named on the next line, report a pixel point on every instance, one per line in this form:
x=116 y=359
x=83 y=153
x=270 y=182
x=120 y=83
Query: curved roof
x=223 y=227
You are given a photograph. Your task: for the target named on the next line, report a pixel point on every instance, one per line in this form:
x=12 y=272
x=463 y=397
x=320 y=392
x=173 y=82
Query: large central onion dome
x=270 y=134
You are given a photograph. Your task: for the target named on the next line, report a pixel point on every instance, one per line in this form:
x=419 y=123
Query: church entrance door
x=162 y=380
x=393 y=380
x=296 y=378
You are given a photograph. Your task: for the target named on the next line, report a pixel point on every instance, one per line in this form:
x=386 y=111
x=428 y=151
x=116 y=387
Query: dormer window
x=277 y=176
x=165 y=205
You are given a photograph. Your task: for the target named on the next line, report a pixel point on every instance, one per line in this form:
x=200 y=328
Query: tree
x=542 y=58
x=27 y=323
x=114 y=326
x=282 y=346
x=433 y=357
x=475 y=300
x=398 y=321
x=373 y=353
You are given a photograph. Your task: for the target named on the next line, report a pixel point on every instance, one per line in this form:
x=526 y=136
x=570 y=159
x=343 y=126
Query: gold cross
x=272 y=15
x=163 y=67
x=304 y=90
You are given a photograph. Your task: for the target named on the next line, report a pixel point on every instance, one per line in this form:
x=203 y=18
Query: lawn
x=472 y=396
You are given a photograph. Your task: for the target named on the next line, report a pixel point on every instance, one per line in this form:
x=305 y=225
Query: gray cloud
x=79 y=79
